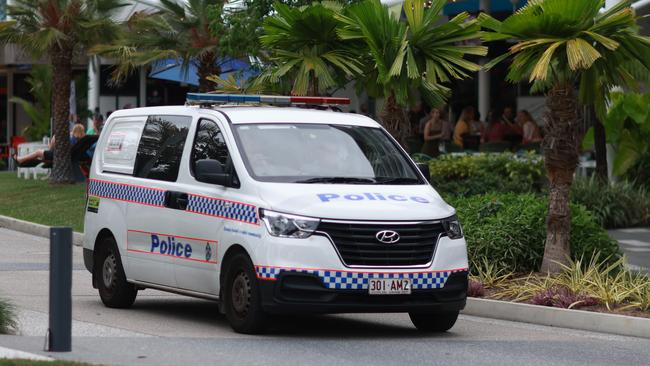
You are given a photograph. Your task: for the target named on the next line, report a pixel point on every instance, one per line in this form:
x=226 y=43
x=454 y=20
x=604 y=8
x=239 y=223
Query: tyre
x=241 y=296
x=434 y=322
x=114 y=291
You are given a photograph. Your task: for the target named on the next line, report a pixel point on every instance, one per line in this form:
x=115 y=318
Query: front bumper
x=304 y=292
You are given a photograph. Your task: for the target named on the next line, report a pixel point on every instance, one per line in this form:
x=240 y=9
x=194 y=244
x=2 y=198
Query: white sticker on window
x=121 y=148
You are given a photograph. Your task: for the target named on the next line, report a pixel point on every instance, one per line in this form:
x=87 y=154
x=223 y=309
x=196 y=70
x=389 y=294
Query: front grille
x=358 y=246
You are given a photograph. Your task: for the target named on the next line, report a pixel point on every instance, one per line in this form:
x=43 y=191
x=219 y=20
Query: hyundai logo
x=387 y=236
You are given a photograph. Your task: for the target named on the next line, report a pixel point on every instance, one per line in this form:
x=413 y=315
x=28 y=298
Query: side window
x=161 y=147
x=209 y=143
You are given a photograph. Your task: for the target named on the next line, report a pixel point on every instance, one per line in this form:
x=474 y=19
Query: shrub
x=614 y=205
x=467 y=175
x=7 y=317
x=509 y=230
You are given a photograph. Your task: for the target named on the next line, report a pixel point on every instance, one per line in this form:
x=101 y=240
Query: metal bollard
x=60 y=328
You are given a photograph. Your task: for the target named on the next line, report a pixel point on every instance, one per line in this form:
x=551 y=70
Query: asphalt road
x=163 y=329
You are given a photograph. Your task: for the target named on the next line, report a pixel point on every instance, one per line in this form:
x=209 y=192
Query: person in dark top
x=78 y=132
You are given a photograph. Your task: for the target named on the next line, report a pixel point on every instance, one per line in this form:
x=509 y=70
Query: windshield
x=317 y=153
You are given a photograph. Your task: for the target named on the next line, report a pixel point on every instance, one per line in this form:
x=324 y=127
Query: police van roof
x=238 y=114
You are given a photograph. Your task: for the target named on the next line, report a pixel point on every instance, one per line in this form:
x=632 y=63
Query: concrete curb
x=34 y=229
x=8 y=353
x=556 y=317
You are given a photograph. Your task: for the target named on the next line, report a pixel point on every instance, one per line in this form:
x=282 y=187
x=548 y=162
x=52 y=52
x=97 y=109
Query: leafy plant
x=7 y=317
x=475 y=289
x=558 y=44
x=614 y=205
x=60 y=29
x=640 y=172
x=305 y=47
x=508 y=230
x=489 y=274
x=407 y=58
x=176 y=29
x=627 y=127
x=484 y=173
x=562 y=297
x=39 y=111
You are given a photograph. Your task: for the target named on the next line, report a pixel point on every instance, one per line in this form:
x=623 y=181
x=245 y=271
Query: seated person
x=496 y=130
x=531 y=131
x=39 y=156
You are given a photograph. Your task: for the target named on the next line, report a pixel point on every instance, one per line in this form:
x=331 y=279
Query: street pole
x=484 y=77
x=60 y=326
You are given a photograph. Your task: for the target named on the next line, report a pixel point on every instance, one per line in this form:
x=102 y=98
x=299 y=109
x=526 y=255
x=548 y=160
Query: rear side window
x=209 y=143
x=161 y=147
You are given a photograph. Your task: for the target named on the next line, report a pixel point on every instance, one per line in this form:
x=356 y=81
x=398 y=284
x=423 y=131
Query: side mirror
x=424 y=168
x=211 y=171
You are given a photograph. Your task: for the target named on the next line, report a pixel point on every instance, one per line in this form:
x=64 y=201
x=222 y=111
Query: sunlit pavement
x=163 y=329
x=635 y=244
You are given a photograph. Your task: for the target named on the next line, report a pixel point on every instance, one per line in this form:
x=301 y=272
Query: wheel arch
x=103 y=234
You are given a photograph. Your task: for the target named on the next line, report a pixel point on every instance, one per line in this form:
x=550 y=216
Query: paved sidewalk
x=635 y=243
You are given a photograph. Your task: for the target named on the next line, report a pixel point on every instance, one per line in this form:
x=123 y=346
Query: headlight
x=452 y=227
x=288 y=226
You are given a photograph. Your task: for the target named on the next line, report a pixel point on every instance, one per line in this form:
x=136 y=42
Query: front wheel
x=114 y=291
x=434 y=322
x=241 y=296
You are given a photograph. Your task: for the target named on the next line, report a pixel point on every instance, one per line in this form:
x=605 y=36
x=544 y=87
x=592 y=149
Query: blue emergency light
x=207 y=98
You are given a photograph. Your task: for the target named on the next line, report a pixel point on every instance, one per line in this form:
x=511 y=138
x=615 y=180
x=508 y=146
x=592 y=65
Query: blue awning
x=472 y=6
x=170 y=69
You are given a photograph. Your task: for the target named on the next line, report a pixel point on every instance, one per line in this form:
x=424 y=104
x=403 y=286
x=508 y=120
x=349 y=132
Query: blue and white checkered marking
x=124 y=192
x=346 y=280
x=156 y=197
x=222 y=208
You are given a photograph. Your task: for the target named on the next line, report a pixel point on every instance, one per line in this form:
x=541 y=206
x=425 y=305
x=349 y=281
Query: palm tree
x=304 y=46
x=418 y=55
x=176 y=29
x=559 y=45
x=59 y=29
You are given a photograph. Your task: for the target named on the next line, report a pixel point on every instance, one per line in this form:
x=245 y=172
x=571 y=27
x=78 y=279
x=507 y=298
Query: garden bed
x=596 y=286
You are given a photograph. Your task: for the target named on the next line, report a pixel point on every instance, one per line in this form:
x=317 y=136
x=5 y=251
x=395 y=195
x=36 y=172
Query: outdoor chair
x=80 y=160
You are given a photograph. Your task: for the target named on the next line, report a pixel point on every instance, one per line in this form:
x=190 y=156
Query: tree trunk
x=207 y=67
x=600 y=145
x=395 y=120
x=61 y=59
x=561 y=155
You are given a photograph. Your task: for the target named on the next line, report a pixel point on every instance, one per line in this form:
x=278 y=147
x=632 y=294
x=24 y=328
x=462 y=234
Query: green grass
x=39 y=201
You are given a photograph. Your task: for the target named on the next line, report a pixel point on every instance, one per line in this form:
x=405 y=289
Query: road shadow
x=333 y=326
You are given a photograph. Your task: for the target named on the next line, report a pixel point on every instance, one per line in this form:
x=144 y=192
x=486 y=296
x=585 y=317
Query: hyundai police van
x=269 y=207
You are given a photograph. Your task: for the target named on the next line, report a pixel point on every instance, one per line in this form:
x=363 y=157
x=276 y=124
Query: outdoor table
x=26 y=148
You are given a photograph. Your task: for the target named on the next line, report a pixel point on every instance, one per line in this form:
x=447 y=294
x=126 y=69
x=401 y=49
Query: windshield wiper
x=341 y=180
x=396 y=180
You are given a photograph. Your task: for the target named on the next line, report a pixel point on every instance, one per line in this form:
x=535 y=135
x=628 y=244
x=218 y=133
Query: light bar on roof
x=206 y=98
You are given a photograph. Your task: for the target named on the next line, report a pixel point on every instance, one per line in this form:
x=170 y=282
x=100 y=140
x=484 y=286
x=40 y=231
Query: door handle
x=176 y=200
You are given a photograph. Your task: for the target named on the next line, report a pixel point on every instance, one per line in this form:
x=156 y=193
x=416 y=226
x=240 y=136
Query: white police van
x=269 y=210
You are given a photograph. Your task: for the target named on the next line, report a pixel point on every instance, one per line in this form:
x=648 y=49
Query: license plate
x=389 y=286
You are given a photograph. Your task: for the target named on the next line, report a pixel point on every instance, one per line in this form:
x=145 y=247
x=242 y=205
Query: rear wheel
x=241 y=296
x=114 y=291
x=434 y=322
